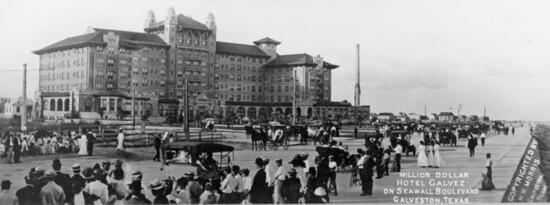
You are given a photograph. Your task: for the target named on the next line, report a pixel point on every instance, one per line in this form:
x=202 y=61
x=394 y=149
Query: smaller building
x=386 y=117
x=14 y=107
x=446 y=116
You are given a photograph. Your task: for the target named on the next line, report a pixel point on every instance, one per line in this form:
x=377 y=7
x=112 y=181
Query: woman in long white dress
x=422 y=157
x=120 y=139
x=430 y=153
x=437 y=155
x=83 y=145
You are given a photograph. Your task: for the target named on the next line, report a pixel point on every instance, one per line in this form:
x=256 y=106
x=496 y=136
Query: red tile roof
x=267 y=40
x=183 y=21
x=74 y=41
x=298 y=60
x=243 y=49
x=127 y=38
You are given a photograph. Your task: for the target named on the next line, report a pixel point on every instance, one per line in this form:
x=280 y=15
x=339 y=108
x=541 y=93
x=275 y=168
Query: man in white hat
x=157 y=189
x=193 y=188
x=51 y=193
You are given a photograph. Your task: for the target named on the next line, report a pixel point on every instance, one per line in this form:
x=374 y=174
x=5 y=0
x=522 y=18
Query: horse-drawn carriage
x=447 y=137
x=402 y=137
x=206 y=168
x=261 y=139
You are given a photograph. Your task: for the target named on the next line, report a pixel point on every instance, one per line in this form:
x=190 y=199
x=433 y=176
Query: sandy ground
x=506 y=152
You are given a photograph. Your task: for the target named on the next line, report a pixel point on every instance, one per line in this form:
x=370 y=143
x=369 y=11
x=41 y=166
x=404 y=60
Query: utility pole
x=133 y=107
x=24 y=113
x=425 y=109
x=294 y=101
x=357 y=88
x=186 y=111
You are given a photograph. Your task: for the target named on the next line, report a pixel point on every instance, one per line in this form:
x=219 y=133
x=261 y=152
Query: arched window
x=59 y=105
x=52 y=105
x=67 y=104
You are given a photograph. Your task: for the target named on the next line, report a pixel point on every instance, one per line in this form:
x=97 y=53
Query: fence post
x=200 y=136
x=212 y=135
x=146 y=140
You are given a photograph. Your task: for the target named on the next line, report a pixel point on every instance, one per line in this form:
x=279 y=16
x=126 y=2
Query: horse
x=256 y=136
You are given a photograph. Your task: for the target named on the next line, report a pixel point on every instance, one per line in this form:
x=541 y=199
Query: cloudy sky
x=414 y=53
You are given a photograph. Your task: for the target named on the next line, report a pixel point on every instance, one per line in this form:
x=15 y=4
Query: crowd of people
x=27 y=143
x=100 y=184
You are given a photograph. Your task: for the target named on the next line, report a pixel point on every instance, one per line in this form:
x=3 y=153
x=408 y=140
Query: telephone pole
x=357 y=89
x=186 y=111
x=24 y=113
x=133 y=107
x=294 y=101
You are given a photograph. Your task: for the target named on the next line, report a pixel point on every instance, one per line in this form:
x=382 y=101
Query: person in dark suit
x=369 y=165
x=62 y=179
x=16 y=148
x=91 y=139
x=8 y=147
x=29 y=194
x=157 y=148
x=472 y=143
x=259 y=192
x=77 y=180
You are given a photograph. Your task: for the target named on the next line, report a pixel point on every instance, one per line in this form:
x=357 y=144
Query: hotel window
x=187 y=73
x=278 y=98
x=162 y=83
x=144 y=59
x=287 y=98
x=231 y=76
x=163 y=61
x=180 y=84
x=180 y=62
x=111 y=50
x=180 y=73
x=216 y=76
x=110 y=87
x=162 y=73
x=239 y=77
x=110 y=62
x=162 y=95
x=110 y=74
x=253 y=89
x=279 y=88
x=180 y=95
x=144 y=71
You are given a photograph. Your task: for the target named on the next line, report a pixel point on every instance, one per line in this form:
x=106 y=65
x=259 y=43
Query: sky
x=414 y=54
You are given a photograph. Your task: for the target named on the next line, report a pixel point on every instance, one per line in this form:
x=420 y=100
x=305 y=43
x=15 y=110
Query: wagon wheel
x=269 y=144
x=275 y=145
x=260 y=146
x=286 y=144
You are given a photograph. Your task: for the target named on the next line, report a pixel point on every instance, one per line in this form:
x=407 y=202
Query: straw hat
x=156 y=185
